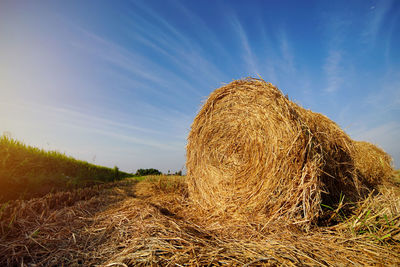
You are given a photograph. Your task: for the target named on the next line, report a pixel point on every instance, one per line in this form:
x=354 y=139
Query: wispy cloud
x=286 y=52
x=336 y=28
x=83 y=122
x=376 y=16
x=247 y=56
x=186 y=53
x=203 y=29
x=268 y=64
x=333 y=70
x=140 y=67
x=126 y=137
x=387 y=97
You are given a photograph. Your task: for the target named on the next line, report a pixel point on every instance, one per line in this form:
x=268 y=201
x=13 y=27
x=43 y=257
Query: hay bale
x=252 y=151
x=372 y=164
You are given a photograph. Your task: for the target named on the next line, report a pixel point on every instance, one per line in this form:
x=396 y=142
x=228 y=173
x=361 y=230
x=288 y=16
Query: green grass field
x=27 y=171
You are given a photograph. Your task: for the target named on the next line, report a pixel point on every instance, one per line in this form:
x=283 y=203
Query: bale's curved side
x=252 y=151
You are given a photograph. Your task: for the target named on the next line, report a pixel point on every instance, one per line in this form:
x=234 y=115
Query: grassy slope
x=27 y=171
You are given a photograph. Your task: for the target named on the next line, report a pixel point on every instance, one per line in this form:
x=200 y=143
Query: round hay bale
x=252 y=151
x=372 y=164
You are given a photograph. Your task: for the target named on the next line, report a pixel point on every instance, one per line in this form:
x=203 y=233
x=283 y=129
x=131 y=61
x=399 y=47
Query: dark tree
x=144 y=172
x=116 y=173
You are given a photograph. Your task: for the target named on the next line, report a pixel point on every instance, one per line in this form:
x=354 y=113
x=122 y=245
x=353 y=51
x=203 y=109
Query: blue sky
x=119 y=82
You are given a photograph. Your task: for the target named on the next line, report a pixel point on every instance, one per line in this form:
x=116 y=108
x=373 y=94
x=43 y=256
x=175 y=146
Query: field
x=308 y=195
x=153 y=222
x=27 y=171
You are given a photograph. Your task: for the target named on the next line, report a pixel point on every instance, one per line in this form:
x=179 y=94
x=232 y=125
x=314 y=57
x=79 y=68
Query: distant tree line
x=178 y=173
x=144 y=172
x=152 y=171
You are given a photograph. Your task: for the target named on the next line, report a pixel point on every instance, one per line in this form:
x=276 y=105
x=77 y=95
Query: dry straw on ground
x=154 y=223
x=253 y=152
